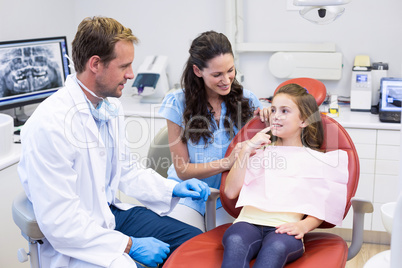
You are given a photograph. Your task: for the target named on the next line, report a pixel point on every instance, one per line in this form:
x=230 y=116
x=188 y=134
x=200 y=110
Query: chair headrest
x=314 y=87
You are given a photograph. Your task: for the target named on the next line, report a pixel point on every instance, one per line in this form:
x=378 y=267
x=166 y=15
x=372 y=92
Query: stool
x=24 y=218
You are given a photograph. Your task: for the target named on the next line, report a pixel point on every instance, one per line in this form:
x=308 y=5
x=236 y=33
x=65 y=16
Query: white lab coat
x=62 y=170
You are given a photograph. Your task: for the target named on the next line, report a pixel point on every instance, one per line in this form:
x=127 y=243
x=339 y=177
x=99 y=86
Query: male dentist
x=75 y=159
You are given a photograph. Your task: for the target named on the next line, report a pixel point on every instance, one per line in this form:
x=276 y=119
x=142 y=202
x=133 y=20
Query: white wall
x=163 y=27
x=369 y=27
x=25 y=19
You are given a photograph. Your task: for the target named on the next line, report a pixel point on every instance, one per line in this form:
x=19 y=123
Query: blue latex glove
x=148 y=251
x=193 y=188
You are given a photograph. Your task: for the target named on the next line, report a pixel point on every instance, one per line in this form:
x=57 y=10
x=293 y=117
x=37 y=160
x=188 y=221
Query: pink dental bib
x=297 y=179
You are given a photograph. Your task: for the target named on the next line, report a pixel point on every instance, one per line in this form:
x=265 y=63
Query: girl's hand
x=260 y=139
x=297 y=229
x=263 y=114
x=300 y=228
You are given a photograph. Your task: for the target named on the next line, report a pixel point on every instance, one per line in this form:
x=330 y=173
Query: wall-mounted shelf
x=285 y=47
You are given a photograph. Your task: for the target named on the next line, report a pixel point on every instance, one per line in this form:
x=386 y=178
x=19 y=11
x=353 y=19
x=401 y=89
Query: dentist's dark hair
x=198 y=113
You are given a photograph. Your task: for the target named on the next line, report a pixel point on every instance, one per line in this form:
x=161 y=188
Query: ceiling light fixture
x=321 y=11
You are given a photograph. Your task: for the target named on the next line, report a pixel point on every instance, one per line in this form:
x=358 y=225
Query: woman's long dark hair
x=198 y=113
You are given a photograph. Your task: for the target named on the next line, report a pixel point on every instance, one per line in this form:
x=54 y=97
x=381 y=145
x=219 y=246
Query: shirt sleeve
x=172 y=107
x=254 y=101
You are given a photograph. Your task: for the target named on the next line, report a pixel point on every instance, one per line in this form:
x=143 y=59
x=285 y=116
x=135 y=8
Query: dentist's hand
x=231 y=159
x=149 y=251
x=264 y=114
x=193 y=188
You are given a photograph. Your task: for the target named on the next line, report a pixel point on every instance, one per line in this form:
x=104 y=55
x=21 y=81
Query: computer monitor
x=391 y=100
x=31 y=70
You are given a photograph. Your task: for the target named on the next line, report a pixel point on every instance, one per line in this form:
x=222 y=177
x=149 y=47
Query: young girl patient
x=287 y=187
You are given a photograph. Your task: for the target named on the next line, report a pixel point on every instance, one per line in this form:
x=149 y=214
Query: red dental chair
x=321 y=249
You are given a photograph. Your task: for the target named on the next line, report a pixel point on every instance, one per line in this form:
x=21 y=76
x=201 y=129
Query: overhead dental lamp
x=321 y=11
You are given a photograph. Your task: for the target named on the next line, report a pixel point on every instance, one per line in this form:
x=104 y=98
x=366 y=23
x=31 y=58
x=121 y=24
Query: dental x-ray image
x=394 y=97
x=30 y=68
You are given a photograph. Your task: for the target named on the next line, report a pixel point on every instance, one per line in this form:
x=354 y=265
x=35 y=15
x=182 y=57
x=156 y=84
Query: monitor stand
x=19 y=116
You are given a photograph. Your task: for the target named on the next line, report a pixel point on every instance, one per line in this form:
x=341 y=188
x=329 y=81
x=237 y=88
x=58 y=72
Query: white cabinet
x=142 y=124
x=365 y=143
x=140 y=131
x=386 y=173
x=379 y=155
x=10 y=234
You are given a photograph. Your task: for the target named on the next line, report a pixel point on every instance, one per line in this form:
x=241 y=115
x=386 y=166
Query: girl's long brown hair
x=312 y=135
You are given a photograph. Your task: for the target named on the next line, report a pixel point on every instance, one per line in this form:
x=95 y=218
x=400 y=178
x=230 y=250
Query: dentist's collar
x=88 y=90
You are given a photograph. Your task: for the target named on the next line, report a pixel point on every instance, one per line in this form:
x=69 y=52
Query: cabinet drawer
x=388 y=152
x=377 y=224
x=386 y=188
x=367 y=166
x=364 y=136
x=365 y=188
x=389 y=137
x=137 y=132
x=365 y=151
x=348 y=221
x=140 y=131
x=387 y=167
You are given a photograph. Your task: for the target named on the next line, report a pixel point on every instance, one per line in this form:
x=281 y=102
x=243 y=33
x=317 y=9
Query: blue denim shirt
x=172 y=109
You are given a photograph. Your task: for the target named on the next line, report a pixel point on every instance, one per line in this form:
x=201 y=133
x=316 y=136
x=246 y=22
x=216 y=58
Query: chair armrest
x=360 y=207
x=210 y=210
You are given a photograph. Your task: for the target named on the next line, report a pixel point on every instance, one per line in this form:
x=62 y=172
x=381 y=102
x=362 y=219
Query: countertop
x=12 y=158
x=349 y=119
x=134 y=107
